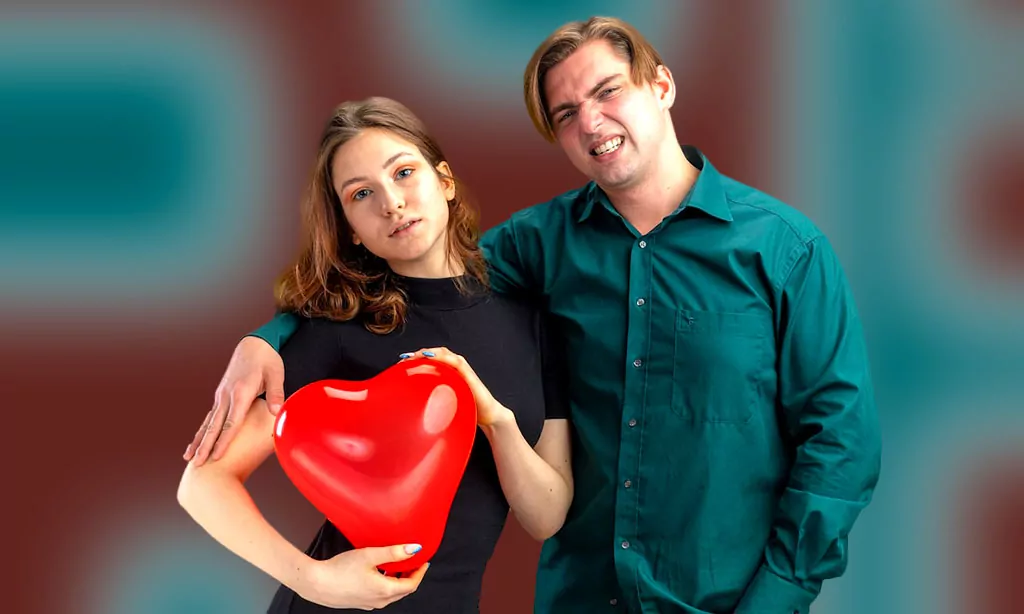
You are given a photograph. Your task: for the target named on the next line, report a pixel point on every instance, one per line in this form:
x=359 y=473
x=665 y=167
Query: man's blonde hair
x=643 y=59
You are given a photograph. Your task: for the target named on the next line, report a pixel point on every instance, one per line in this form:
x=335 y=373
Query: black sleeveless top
x=504 y=342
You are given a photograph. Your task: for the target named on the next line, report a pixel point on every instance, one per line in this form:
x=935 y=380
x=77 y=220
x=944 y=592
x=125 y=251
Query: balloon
x=381 y=458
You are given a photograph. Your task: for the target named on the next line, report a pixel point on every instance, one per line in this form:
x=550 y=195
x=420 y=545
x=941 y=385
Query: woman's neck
x=452 y=267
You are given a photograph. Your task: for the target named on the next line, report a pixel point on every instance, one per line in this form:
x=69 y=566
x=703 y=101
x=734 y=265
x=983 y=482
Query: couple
x=724 y=436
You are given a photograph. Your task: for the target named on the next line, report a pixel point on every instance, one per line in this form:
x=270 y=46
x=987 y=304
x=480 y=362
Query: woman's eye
x=402 y=174
x=361 y=194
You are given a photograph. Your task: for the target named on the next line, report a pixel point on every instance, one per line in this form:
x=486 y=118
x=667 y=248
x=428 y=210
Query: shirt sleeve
x=277 y=330
x=829 y=418
x=508 y=271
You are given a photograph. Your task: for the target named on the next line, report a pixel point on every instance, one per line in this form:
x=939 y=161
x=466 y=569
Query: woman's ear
x=447 y=180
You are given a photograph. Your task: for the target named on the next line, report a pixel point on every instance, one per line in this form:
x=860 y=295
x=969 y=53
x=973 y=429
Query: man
x=725 y=431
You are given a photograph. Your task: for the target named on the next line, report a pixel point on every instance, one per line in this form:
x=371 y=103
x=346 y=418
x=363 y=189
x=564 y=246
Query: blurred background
x=152 y=158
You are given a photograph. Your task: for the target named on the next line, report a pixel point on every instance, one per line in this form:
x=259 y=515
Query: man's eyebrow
x=594 y=90
x=387 y=163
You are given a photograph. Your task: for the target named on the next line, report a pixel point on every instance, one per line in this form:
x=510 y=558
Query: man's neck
x=646 y=204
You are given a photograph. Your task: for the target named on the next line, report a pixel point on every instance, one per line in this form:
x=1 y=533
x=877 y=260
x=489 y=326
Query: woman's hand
x=537 y=481
x=488 y=410
x=351 y=579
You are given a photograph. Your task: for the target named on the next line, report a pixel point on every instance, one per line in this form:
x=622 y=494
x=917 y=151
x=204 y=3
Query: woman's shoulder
x=515 y=308
x=321 y=324
x=517 y=302
x=322 y=331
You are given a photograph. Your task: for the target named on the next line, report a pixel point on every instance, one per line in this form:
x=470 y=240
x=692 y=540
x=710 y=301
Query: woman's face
x=395 y=202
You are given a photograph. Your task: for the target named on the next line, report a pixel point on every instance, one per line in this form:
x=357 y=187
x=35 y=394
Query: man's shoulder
x=757 y=208
x=550 y=213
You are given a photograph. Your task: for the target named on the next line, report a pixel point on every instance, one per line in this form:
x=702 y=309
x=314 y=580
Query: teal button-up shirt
x=725 y=432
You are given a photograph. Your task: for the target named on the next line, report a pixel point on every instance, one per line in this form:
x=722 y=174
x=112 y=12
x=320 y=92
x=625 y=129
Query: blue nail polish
x=428 y=354
x=405 y=355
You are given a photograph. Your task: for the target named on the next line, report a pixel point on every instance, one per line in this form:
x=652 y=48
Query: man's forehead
x=584 y=86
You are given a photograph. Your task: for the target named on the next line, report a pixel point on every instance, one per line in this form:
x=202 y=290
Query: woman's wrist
x=306 y=580
x=501 y=418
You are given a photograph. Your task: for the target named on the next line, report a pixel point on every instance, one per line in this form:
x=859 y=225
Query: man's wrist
x=768 y=592
x=254 y=337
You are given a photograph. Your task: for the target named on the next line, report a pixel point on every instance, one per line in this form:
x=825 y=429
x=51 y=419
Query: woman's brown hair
x=336 y=279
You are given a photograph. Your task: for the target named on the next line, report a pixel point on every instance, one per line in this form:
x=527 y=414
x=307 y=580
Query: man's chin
x=612 y=181
x=606 y=178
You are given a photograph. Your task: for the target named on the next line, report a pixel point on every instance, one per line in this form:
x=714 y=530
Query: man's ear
x=664 y=87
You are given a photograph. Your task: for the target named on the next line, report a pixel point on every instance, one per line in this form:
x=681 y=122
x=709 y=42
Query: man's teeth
x=608 y=146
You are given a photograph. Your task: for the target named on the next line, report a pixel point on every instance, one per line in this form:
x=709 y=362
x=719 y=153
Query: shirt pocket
x=720 y=361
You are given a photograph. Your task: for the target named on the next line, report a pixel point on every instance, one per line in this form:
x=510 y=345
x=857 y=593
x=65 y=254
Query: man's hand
x=255 y=367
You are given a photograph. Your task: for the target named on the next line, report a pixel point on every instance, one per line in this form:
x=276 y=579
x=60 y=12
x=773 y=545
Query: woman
x=390 y=265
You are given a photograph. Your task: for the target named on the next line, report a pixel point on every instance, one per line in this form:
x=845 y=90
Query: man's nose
x=590 y=117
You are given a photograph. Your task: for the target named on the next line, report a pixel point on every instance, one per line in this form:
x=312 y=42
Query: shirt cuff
x=770 y=594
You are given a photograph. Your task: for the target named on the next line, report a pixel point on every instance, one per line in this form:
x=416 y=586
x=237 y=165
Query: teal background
x=152 y=159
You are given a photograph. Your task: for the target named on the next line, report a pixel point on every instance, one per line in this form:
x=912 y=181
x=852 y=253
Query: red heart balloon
x=381 y=458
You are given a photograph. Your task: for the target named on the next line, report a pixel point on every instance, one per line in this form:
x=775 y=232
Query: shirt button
x=613 y=601
x=625 y=545
x=637 y=363
x=640 y=302
x=643 y=244
x=627 y=483
x=632 y=422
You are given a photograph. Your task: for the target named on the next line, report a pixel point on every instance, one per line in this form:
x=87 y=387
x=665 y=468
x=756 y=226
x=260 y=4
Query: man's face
x=611 y=128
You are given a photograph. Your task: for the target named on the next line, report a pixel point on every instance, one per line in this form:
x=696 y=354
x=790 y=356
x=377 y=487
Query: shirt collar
x=706 y=194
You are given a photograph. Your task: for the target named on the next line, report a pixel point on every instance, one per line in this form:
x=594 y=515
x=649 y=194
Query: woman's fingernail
x=413 y=548
x=405 y=355
x=429 y=354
